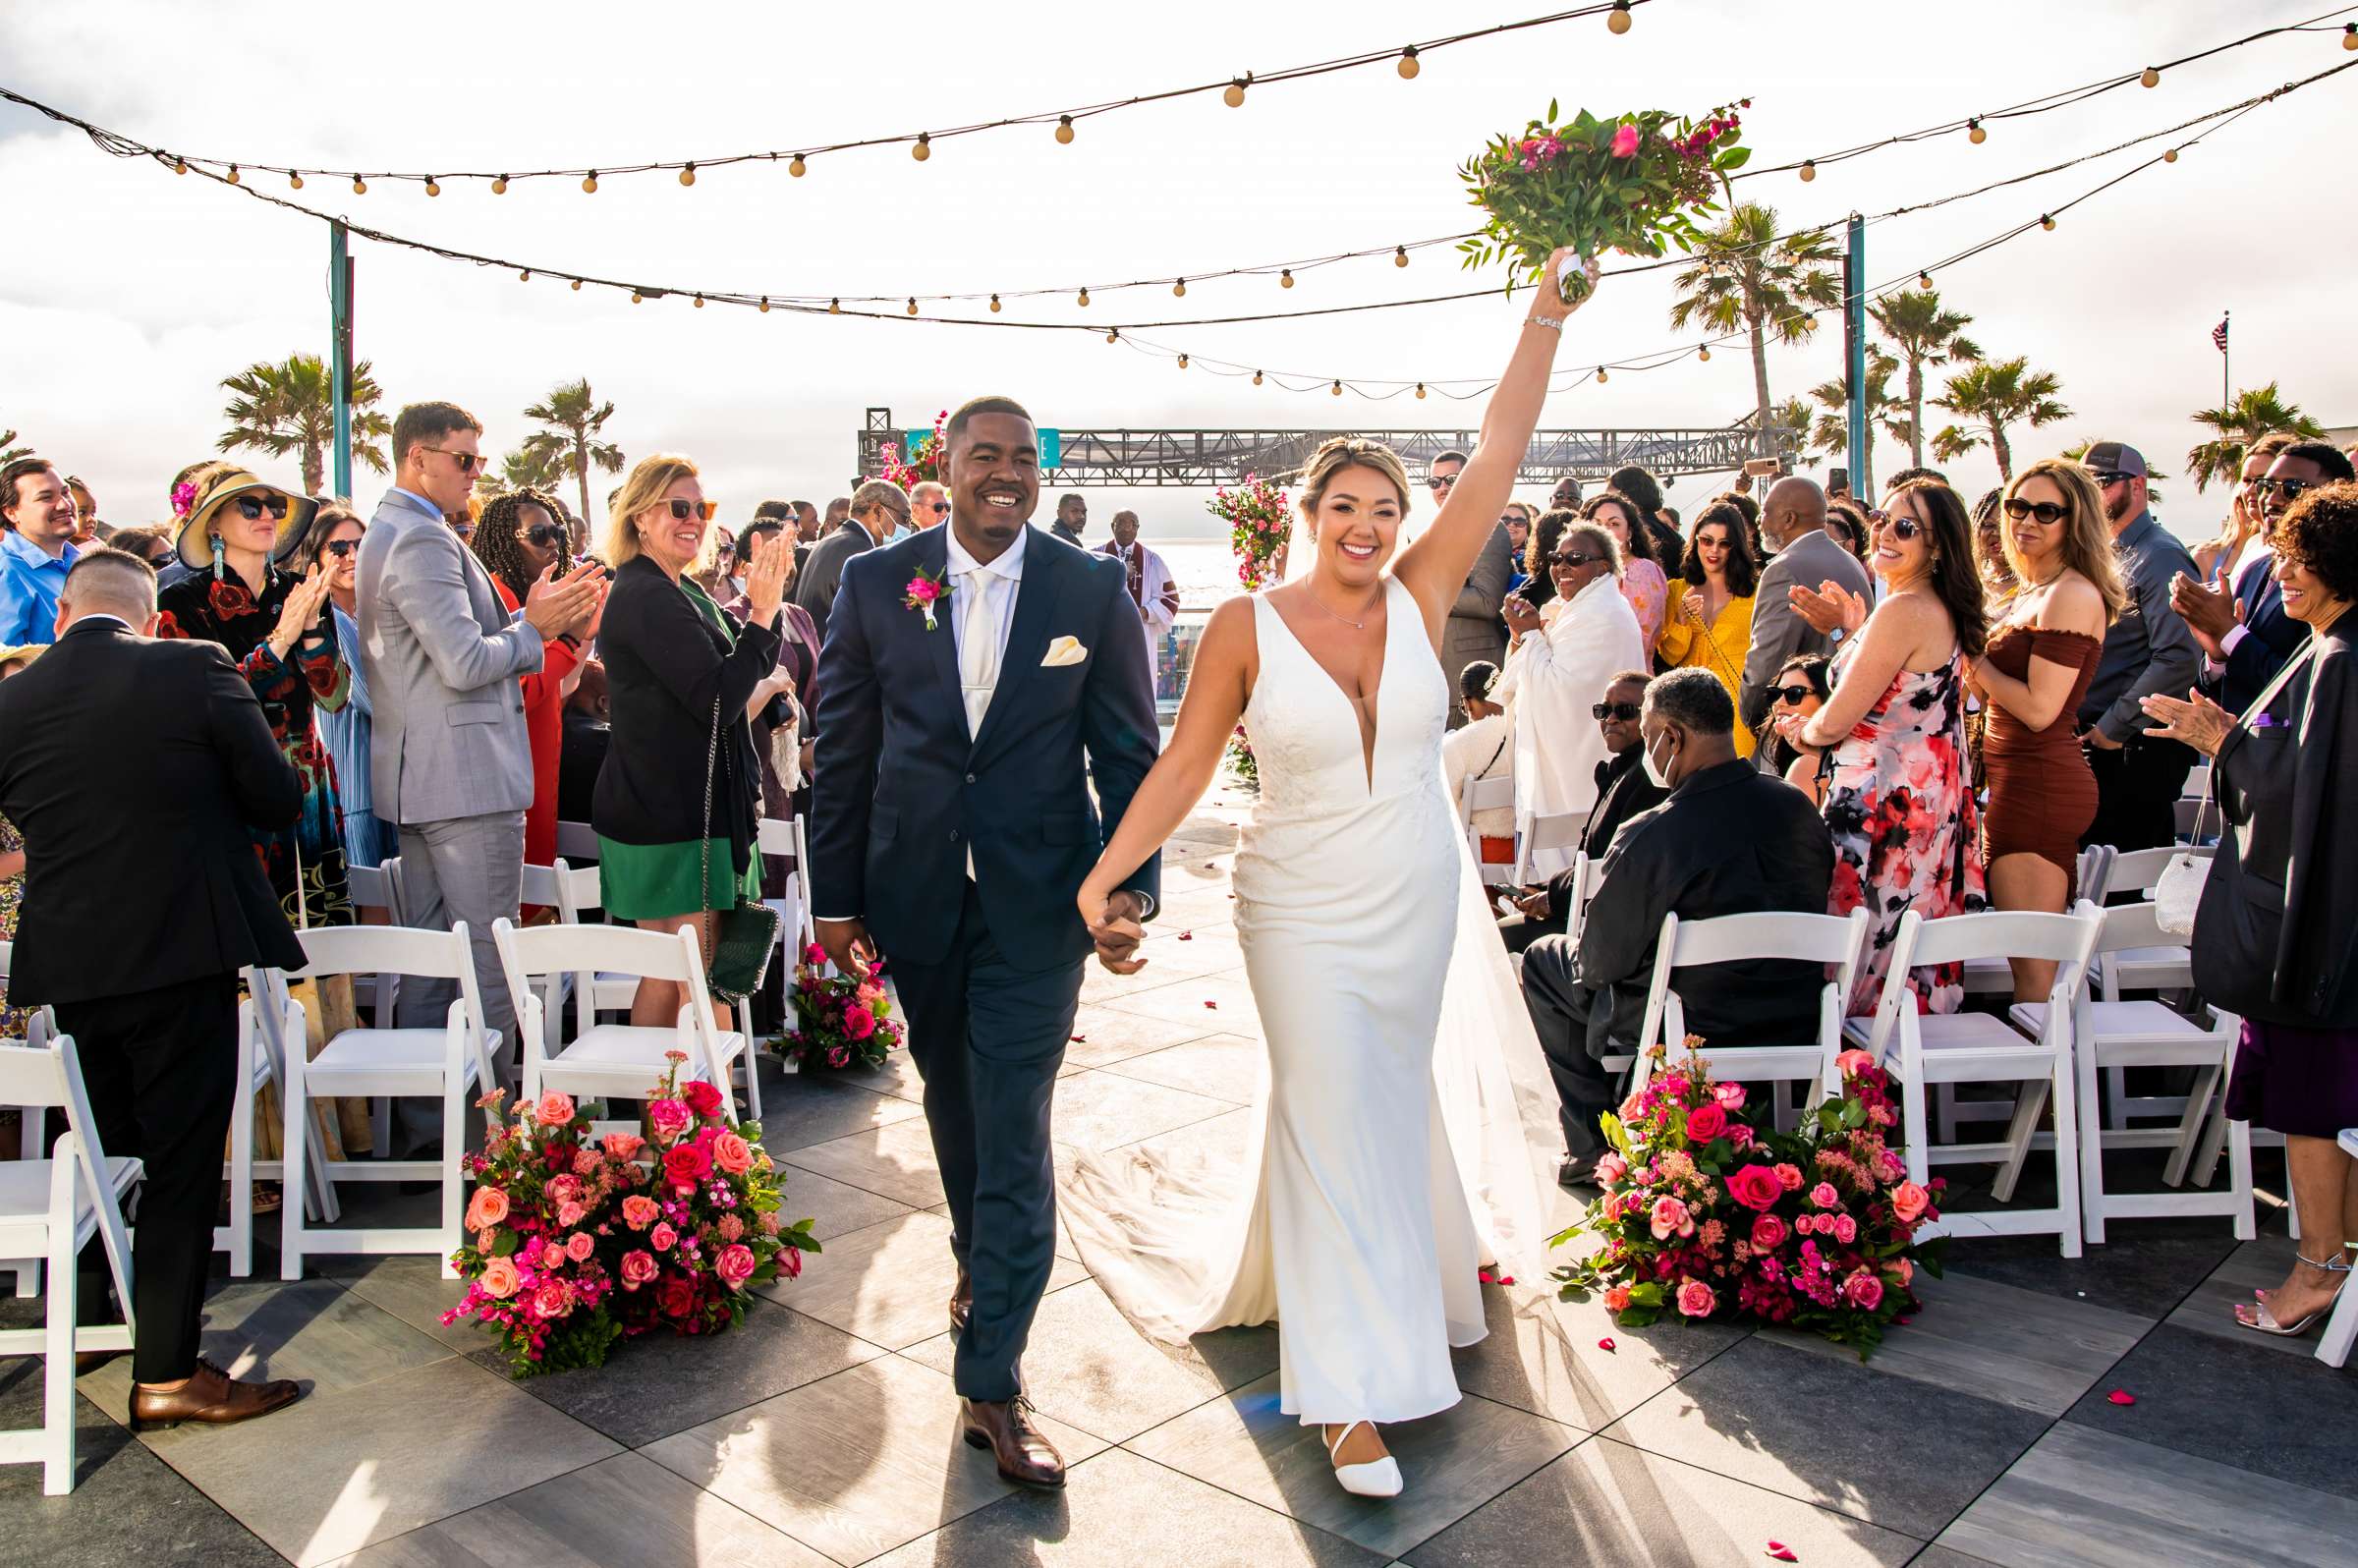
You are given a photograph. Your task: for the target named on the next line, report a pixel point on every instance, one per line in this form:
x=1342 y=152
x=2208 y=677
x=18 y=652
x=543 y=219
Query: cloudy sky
x=129 y=293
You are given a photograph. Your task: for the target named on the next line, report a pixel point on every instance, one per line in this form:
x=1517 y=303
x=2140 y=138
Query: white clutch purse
x=2180 y=889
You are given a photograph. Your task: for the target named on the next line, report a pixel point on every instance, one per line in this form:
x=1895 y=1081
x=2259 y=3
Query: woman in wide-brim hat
x=271 y=619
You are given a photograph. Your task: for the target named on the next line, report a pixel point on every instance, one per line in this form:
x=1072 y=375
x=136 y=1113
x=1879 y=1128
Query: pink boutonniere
x=926 y=593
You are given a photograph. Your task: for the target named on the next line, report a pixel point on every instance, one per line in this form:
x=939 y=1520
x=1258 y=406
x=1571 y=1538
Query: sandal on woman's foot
x=1377 y=1478
x=2261 y=1319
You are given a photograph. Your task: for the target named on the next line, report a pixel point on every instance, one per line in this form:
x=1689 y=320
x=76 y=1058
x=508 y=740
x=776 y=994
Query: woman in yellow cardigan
x=1710 y=625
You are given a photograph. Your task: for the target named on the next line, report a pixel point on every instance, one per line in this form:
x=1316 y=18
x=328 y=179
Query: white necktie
x=978 y=647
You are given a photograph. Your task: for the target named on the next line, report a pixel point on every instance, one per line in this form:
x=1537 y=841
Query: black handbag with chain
x=739 y=940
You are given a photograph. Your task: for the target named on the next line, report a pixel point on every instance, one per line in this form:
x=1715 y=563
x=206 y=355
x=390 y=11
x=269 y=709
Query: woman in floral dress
x=271 y=622
x=1892 y=736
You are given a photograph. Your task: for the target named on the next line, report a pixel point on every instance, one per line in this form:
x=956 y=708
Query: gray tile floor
x=824 y=1431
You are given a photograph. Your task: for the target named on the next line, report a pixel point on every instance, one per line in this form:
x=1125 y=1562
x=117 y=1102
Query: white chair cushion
x=2120 y=1021
x=1978 y=1032
x=374 y=1052
x=25 y=1187
x=632 y=1046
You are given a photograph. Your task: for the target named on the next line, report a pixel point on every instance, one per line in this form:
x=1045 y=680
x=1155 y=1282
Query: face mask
x=1656 y=772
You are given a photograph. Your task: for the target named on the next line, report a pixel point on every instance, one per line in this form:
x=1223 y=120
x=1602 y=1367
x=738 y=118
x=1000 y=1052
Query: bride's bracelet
x=1556 y=323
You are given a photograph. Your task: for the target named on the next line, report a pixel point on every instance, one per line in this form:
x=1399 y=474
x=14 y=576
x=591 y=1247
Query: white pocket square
x=1063 y=652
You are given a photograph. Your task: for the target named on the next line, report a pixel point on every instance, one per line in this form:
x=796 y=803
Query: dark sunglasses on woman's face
x=2047 y=511
x=252 y=507
x=540 y=536
x=682 y=511
x=1575 y=558
x=1626 y=712
x=1791 y=696
x=340 y=549
x=1902 y=528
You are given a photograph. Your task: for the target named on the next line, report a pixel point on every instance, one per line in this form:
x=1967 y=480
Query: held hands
x=2209 y=613
x=556 y=605
x=2198 y=721
x=846 y=946
x=765 y=578
x=1829 y=606
x=1111 y=916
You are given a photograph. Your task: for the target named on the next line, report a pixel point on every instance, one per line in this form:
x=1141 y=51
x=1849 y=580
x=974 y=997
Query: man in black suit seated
x=1622 y=791
x=134 y=769
x=1730 y=840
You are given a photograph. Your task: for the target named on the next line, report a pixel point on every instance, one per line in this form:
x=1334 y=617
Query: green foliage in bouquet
x=1631 y=183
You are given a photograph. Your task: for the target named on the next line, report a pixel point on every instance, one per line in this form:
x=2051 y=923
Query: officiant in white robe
x=1151 y=588
x=1561 y=663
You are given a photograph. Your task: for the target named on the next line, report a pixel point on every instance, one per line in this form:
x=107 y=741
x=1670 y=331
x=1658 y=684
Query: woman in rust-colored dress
x=2041 y=656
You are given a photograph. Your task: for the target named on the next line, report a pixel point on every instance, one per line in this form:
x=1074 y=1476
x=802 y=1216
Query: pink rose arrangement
x=840 y=1020
x=576 y=1242
x=1706 y=1214
x=1260 y=521
x=923 y=464
x=1631 y=183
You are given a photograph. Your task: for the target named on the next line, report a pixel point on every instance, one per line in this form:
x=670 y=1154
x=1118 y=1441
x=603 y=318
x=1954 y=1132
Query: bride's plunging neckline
x=1370 y=720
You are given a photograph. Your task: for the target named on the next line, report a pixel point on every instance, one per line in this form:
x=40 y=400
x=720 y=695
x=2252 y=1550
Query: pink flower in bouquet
x=702 y=1098
x=1694 y=1298
x=585 y=1162
x=790 y=1261
x=1767 y=1233
x=1789 y=1178
x=486 y=1208
x=1739 y=1134
x=1616 y=1300
x=563 y=1188
x=732 y=1154
x=1824 y=1195
x=1850 y=1062
x=1706 y=1122
x=501 y=1277
x=729 y=1228
x=1888 y=1165
x=1729 y=1095
x=569 y=1215
x=1756 y=1187
x=1671 y=1218
x=734 y=1266
x=685 y=1164
x=552 y=1300
x=1904 y=1269
x=555 y=1108
x=1611 y=1168
x=624 y=1146
x=639 y=1212
x=1909 y=1201
x=1625 y=142
x=638 y=1268
x=661 y=1237
x=579 y=1245
x=838 y=1055
x=859 y=1022
x=669 y=1119
x=770 y=1224
x=1862 y=1289
x=1846 y=1230
x=675 y=1297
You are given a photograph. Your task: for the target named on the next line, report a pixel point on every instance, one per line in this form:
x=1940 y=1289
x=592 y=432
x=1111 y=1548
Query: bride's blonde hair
x=1346 y=452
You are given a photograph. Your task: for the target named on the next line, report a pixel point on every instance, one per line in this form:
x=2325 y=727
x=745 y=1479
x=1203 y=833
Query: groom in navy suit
x=976 y=678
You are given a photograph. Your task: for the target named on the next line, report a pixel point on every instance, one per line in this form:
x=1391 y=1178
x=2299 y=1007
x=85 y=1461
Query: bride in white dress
x=1393 y=1161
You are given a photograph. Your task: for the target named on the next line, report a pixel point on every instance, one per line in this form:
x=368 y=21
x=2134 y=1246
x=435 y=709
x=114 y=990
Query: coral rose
x=569 y=1215
x=639 y=1212
x=1789 y=1178
x=1849 y=1063
x=1616 y=1300
x=734 y=1266
x=1825 y=1196
x=563 y=1188
x=579 y=1245
x=486 y=1208
x=1610 y=1169
x=701 y=1098
x=1671 y=1218
x=1904 y=1269
x=662 y=1238
x=668 y=1118
x=1846 y=1230
x=1706 y=1122
x=1909 y=1201
x=555 y=1108
x=732 y=1154
x=1767 y=1233
x=552 y=1300
x=624 y=1146
x=1695 y=1298
x=685 y=1164
x=638 y=1268
x=1863 y=1290
x=500 y=1278
x=1756 y=1187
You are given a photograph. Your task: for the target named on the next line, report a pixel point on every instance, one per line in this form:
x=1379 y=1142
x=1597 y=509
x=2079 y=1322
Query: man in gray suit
x=1793 y=527
x=879 y=507
x=1475 y=633
x=451 y=761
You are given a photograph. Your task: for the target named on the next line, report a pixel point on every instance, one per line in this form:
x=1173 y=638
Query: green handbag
x=738 y=941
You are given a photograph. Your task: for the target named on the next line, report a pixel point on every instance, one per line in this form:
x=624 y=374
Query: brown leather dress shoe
x=210 y=1397
x=1025 y=1457
x=962 y=1301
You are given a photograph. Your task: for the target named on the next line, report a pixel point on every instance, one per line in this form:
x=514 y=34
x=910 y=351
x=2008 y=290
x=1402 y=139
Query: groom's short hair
x=993 y=404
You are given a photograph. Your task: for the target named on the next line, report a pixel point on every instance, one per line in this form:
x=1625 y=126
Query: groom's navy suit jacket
x=902 y=794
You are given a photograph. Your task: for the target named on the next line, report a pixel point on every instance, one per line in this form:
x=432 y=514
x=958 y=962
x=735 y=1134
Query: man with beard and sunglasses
x=2244 y=632
x=451 y=757
x=2147 y=650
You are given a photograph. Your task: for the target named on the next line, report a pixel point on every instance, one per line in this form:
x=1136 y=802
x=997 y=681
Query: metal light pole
x=1854 y=343
x=339 y=294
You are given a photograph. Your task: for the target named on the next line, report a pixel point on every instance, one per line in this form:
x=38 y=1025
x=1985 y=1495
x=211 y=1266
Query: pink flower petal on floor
x=2122 y=1396
x=1080 y=1039
x=1186 y=936
x=1209 y=1002
x=1607 y=1343
x=1782 y=1553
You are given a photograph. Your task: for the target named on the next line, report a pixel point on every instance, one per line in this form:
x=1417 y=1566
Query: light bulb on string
x=834 y=308
x=1408 y=64
x=233 y=173
x=1234 y=95
x=2047 y=221
x=636 y=297
x=1179 y=289
x=1399 y=256
x=2349 y=35
x=2170 y=154
x=1115 y=335
x=1338 y=389
x=1809 y=170
x=923 y=149
x=2149 y=78
x=699 y=302
x=795 y=166
x=1974 y=133
x=1183 y=362
x=1924 y=280
x=688 y=175
x=589 y=185
x=913 y=305
x=294 y=180
x=1420 y=389
x=180 y=165
x=360 y=186
x=1703 y=353
x=432 y=188
x=499 y=186
x=994 y=305
x=577 y=285
x=1084 y=299
x=526 y=276
x=1617 y=22
x=1285 y=279
x=1257 y=379
x=1601 y=378
x=765 y=305
x=1064 y=130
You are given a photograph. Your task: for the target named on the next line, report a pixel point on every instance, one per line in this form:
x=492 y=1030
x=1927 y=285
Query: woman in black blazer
x=2276 y=937
x=675 y=666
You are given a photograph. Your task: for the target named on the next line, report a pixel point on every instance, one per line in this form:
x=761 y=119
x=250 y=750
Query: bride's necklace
x=1356 y=626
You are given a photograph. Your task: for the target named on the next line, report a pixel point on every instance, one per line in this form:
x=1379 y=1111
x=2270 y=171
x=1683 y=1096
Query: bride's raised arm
x=1435 y=567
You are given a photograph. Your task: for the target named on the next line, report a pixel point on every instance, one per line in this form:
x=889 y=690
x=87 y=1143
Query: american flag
x=2218 y=334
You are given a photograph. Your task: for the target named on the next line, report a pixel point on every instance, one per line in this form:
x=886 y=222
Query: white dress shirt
x=989 y=590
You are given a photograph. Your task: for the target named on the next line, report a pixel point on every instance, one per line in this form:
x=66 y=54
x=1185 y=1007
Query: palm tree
x=574 y=417
x=2234 y=427
x=1792 y=413
x=525 y=469
x=1997 y=394
x=1925 y=334
x=286 y=408
x=1831 y=434
x=9 y=450
x=1745 y=276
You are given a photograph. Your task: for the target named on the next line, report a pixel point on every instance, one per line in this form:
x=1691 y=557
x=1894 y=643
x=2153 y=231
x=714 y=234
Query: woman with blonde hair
x=677 y=670
x=2041 y=656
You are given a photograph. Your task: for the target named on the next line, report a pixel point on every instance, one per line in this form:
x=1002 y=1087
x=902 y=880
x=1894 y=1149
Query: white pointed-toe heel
x=1379 y=1478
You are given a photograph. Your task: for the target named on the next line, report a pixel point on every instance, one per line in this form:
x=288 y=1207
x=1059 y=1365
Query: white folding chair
x=2165 y=966
x=452 y=1064
x=796 y=927
x=49 y=1208
x=1485 y=795
x=2341 y=1327
x=377 y=887
x=577 y=841
x=1923 y=1050
x=2114 y=1035
x=28 y=1271
x=1836 y=941
x=571 y=890
x=1995 y=976
x=615 y=1060
x=1534 y=832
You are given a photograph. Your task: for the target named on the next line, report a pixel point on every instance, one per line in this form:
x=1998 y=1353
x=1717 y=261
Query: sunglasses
x=1626 y=712
x=2047 y=513
x=252 y=507
x=340 y=549
x=936 y=507
x=1575 y=558
x=682 y=511
x=1792 y=696
x=2287 y=488
x=1902 y=528
x=2105 y=477
x=540 y=536
x=468 y=462
x=1440 y=481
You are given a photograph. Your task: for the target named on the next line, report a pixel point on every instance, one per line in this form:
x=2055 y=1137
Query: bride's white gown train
x=1392 y=1158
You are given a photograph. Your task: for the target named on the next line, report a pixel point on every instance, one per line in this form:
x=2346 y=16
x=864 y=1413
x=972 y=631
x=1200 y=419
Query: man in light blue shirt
x=37 y=549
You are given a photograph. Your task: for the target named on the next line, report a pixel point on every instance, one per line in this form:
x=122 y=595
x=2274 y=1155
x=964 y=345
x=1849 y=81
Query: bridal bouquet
x=1706 y=1215
x=1630 y=184
x=923 y=465
x=1260 y=522
x=843 y=1019
x=576 y=1241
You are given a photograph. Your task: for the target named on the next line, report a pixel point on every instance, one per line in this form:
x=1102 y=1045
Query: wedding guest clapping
x=518 y=540
x=1710 y=621
x=2244 y=632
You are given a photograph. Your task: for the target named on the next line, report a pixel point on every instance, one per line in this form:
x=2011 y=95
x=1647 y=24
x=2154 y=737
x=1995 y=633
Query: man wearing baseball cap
x=2147 y=650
